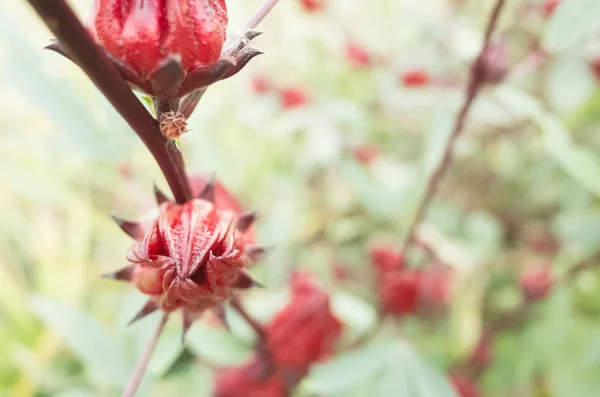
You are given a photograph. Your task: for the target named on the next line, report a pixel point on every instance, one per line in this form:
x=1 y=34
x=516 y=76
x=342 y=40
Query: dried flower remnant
x=172 y=124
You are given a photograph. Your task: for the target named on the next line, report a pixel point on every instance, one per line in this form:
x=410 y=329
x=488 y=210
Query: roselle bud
x=385 y=259
x=536 y=281
x=248 y=380
x=493 y=67
x=399 y=292
x=306 y=330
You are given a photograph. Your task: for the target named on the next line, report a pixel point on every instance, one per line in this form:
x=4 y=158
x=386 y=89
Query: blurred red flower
x=415 y=78
x=306 y=330
x=536 y=281
x=385 y=258
x=293 y=97
x=313 y=5
x=357 y=56
x=249 y=380
x=465 y=387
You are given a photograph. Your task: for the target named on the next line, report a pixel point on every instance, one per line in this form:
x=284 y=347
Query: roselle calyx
x=168 y=49
x=192 y=256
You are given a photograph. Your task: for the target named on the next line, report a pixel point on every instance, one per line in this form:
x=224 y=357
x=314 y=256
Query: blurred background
x=331 y=137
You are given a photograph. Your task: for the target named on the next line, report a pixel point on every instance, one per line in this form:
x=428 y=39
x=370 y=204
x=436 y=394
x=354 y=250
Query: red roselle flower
x=465 y=387
x=550 y=6
x=481 y=356
x=260 y=85
x=357 y=56
x=293 y=97
x=192 y=255
x=306 y=330
x=168 y=48
x=399 y=292
x=404 y=292
x=365 y=154
x=385 y=259
x=415 y=78
x=313 y=5
x=595 y=65
x=248 y=380
x=536 y=281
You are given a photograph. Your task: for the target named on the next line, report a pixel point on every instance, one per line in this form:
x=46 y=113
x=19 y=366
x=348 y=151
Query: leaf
x=333 y=377
x=571 y=82
x=571 y=22
x=353 y=311
x=217 y=345
x=580 y=163
x=102 y=354
x=577 y=161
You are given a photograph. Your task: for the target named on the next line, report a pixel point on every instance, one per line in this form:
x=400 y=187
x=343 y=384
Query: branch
x=142 y=364
x=261 y=14
x=60 y=19
x=476 y=82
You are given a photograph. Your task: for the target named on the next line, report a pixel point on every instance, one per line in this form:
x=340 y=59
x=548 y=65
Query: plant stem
x=256 y=326
x=476 y=82
x=62 y=21
x=261 y=14
x=142 y=364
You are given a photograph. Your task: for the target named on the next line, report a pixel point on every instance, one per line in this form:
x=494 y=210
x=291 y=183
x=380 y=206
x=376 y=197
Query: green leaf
x=571 y=22
x=580 y=163
x=577 y=161
x=102 y=354
x=217 y=345
x=347 y=370
x=167 y=351
x=353 y=311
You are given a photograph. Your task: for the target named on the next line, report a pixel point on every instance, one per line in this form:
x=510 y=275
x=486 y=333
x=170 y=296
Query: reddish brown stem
x=62 y=21
x=142 y=364
x=476 y=82
x=256 y=326
x=261 y=14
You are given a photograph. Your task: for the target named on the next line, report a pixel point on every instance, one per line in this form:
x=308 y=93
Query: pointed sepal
x=123 y=274
x=150 y=307
x=245 y=221
x=208 y=193
x=244 y=281
x=255 y=252
x=132 y=229
x=159 y=195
